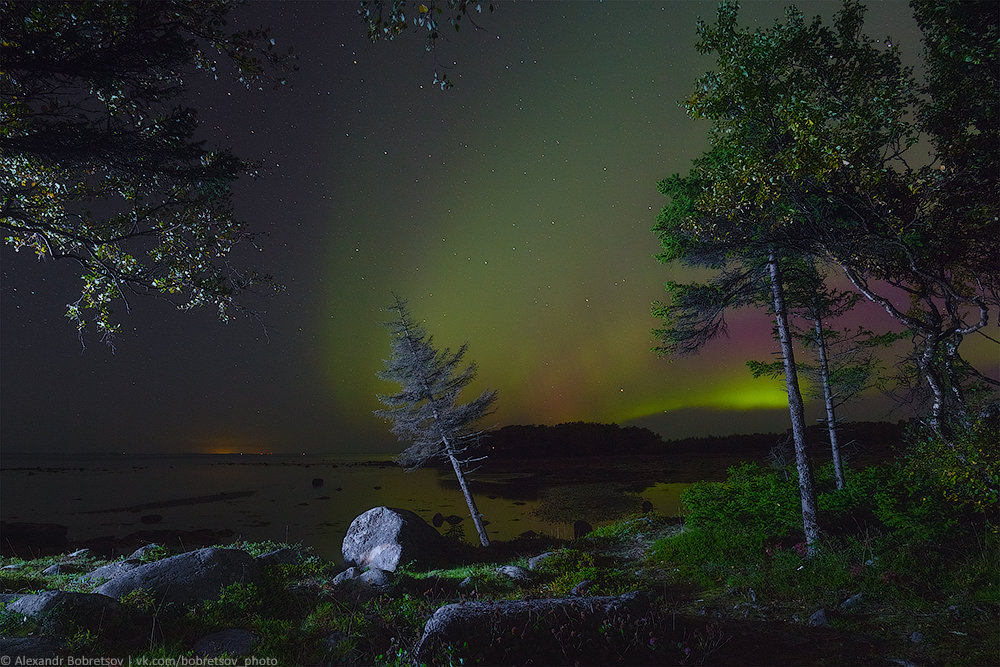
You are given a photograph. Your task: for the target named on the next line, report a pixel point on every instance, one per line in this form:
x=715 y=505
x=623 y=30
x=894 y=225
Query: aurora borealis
x=513 y=211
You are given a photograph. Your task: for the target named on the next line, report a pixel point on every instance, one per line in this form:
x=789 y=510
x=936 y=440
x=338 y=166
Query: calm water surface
x=274 y=497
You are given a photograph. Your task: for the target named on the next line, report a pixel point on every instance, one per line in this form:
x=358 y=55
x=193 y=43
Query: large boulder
x=386 y=538
x=551 y=631
x=188 y=578
x=60 y=611
x=29 y=647
x=112 y=570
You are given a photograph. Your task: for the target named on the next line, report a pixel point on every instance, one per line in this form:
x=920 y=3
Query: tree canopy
x=99 y=160
x=813 y=128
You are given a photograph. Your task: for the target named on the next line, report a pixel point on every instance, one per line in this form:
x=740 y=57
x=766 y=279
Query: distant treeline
x=576 y=439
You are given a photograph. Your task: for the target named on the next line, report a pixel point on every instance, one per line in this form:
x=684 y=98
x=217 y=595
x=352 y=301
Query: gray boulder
x=7 y=598
x=519 y=631
x=112 y=570
x=818 y=619
x=514 y=572
x=376 y=577
x=233 y=642
x=187 y=578
x=28 y=647
x=386 y=538
x=535 y=562
x=59 y=611
x=349 y=574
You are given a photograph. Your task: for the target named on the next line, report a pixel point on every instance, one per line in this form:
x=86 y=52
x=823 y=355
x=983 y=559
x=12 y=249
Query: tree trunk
x=831 y=419
x=473 y=510
x=796 y=409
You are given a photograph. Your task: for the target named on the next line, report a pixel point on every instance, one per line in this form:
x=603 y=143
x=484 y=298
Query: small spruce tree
x=426 y=410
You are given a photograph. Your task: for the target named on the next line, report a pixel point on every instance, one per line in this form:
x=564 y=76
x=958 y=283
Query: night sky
x=513 y=211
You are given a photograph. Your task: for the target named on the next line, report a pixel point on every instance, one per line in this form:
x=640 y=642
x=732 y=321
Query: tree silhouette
x=426 y=410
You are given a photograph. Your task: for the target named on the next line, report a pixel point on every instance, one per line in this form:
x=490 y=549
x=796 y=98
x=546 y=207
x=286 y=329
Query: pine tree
x=426 y=410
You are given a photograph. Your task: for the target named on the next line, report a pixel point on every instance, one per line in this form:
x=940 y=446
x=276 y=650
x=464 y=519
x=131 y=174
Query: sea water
x=299 y=499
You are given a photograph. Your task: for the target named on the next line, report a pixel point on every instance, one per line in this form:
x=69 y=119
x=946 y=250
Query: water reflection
x=278 y=498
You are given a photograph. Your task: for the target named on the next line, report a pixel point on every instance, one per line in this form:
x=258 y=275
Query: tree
x=844 y=363
x=791 y=109
x=426 y=409
x=99 y=160
x=749 y=257
x=387 y=19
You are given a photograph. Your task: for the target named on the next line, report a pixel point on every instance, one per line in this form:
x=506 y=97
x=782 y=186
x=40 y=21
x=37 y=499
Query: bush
x=755 y=502
x=965 y=468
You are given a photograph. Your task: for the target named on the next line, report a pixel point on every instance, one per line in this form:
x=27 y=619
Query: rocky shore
x=408 y=596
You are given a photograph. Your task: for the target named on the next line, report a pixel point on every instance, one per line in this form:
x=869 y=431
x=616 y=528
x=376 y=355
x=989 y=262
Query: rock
x=916 y=637
x=232 y=642
x=7 y=598
x=851 y=602
x=187 y=578
x=376 y=577
x=581 y=587
x=580 y=529
x=514 y=572
x=53 y=569
x=386 y=538
x=80 y=553
x=647 y=506
x=525 y=631
x=818 y=619
x=12 y=566
x=143 y=553
x=28 y=647
x=437 y=520
x=453 y=519
x=535 y=562
x=349 y=574
x=282 y=556
x=112 y=570
x=61 y=611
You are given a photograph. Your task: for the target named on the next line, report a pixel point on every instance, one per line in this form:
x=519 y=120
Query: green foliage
x=752 y=502
x=236 y=605
x=156 y=553
x=140 y=601
x=382 y=626
x=965 y=468
x=16 y=625
x=101 y=164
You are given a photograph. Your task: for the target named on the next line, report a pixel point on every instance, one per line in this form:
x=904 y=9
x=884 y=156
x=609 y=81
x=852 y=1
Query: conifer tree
x=426 y=410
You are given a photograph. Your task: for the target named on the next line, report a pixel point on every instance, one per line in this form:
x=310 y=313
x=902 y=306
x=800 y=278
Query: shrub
x=753 y=501
x=964 y=468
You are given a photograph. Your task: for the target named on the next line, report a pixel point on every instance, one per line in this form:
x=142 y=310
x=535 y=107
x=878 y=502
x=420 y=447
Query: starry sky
x=513 y=211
